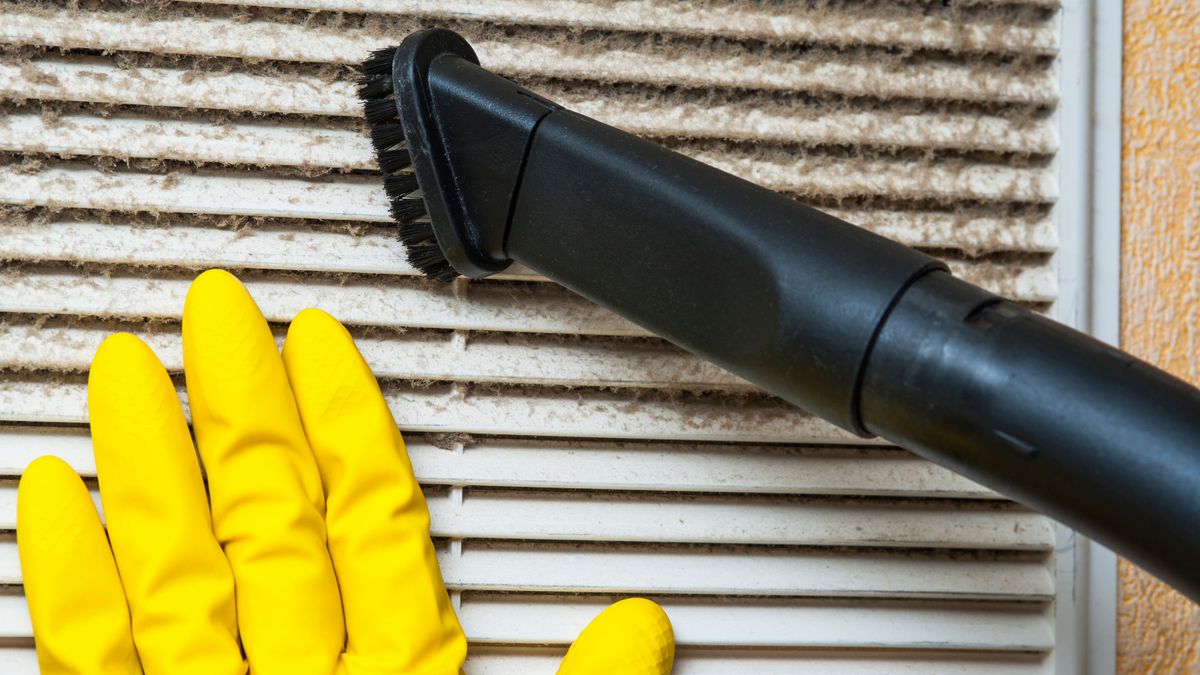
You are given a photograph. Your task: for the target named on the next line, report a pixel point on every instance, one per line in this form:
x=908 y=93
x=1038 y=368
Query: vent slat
x=740 y=573
x=832 y=25
x=252 y=143
x=102 y=82
x=414 y=356
x=492 y=660
x=248 y=194
x=711 y=520
x=768 y=625
x=725 y=623
x=558 y=57
x=380 y=255
x=532 y=412
x=654 y=570
x=299 y=246
x=246 y=142
x=292 y=245
x=398 y=302
x=593 y=465
x=833 y=125
x=902 y=179
x=937 y=180
x=736 y=521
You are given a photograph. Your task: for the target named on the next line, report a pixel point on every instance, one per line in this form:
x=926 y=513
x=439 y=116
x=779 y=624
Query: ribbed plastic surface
x=569 y=458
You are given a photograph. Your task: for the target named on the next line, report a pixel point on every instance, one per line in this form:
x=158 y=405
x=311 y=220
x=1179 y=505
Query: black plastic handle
x=782 y=294
x=1045 y=415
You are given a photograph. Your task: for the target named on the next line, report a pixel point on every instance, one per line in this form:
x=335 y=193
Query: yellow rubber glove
x=310 y=553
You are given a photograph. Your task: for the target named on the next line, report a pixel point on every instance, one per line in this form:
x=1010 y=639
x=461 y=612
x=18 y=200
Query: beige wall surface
x=1159 y=630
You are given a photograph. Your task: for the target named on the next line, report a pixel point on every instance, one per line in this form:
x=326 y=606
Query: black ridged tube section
x=1045 y=415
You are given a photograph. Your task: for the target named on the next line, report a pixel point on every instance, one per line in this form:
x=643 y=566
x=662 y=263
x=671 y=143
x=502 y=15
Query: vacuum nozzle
x=451 y=140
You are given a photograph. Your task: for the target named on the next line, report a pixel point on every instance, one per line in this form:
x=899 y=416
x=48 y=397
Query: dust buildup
x=33 y=75
x=449 y=441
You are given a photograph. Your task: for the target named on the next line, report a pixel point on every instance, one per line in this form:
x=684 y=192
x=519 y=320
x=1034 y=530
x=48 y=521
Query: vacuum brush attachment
x=428 y=102
x=871 y=335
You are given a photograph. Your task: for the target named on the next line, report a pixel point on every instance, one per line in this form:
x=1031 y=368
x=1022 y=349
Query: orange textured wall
x=1159 y=630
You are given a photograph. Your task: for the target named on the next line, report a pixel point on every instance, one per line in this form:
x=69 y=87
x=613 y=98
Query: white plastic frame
x=1089 y=219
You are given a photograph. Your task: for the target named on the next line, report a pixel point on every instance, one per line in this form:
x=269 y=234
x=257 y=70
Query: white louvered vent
x=569 y=458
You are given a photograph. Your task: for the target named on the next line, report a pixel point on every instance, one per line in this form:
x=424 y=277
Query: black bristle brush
x=871 y=335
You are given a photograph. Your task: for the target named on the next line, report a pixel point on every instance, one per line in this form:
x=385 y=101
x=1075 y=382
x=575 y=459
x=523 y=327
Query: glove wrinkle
x=265 y=492
x=176 y=579
x=398 y=614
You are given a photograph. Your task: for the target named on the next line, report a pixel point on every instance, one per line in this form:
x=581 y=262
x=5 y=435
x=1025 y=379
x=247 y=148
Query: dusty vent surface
x=569 y=458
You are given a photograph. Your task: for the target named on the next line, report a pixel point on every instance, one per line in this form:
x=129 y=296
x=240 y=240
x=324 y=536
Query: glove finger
x=80 y=619
x=633 y=637
x=266 y=499
x=398 y=616
x=176 y=579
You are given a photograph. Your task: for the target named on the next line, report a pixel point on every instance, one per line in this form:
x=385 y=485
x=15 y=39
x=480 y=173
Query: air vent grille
x=569 y=457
